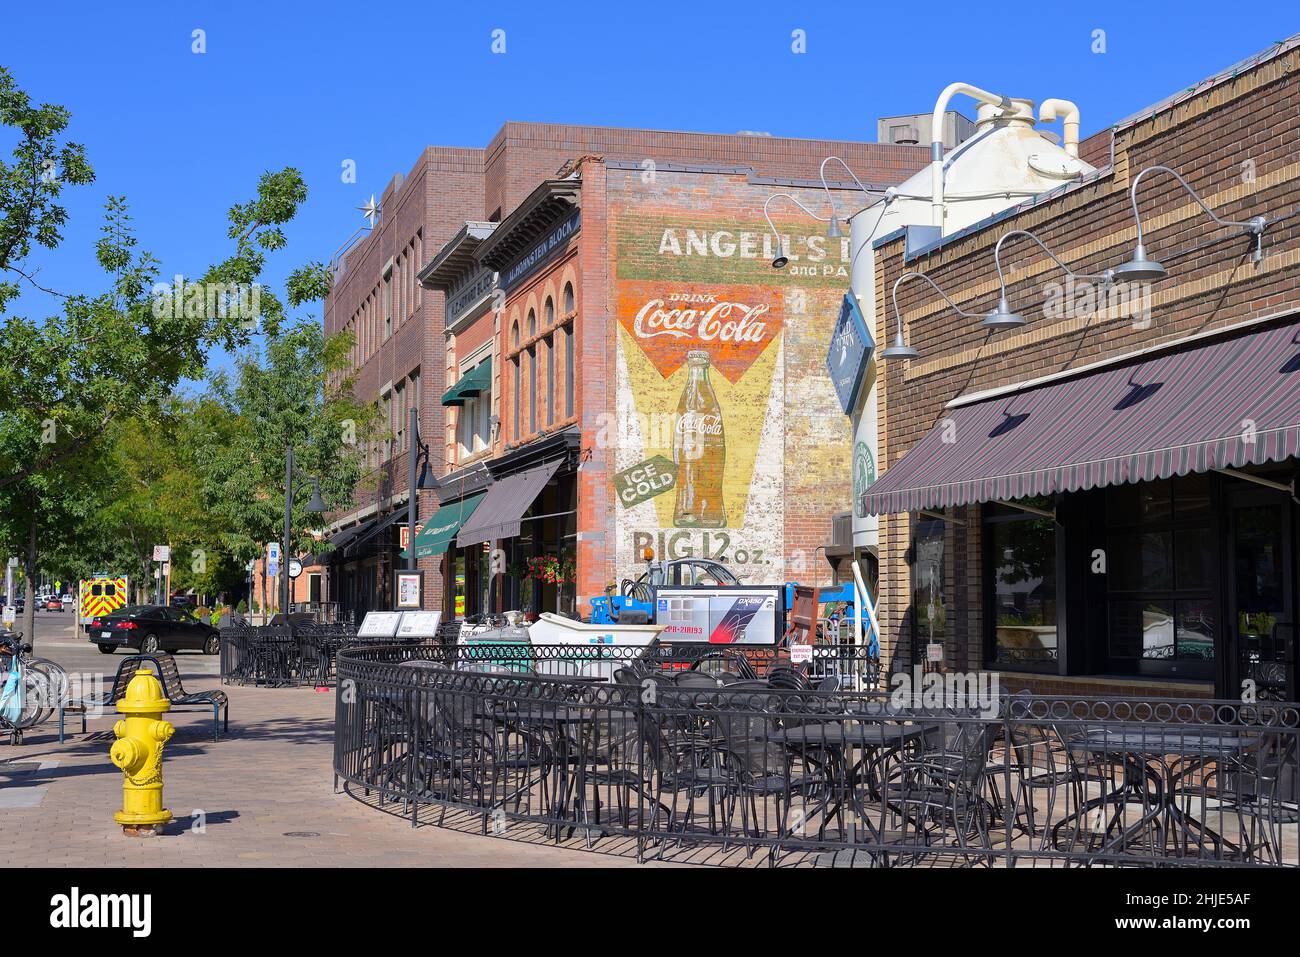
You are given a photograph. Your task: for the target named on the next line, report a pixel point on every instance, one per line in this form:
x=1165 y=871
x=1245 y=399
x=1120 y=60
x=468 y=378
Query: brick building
x=1103 y=499
x=498 y=294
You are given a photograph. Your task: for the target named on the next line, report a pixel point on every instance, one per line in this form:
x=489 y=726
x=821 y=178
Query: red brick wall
x=788 y=442
x=433 y=199
x=449 y=185
x=523 y=154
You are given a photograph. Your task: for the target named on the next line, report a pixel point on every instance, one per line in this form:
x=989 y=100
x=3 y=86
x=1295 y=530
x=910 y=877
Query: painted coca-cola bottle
x=699 y=449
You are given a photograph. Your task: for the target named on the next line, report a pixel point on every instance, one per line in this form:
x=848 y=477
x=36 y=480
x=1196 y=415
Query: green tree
x=156 y=498
x=31 y=185
x=67 y=381
x=291 y=394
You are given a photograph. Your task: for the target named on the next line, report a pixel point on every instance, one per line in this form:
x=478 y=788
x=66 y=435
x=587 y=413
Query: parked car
x=151 y=628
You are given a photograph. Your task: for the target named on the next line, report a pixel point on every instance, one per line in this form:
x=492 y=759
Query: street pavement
x=262 y=796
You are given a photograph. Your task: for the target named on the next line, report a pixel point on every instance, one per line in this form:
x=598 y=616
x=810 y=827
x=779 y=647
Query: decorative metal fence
x=282 y=656
x=767 y=770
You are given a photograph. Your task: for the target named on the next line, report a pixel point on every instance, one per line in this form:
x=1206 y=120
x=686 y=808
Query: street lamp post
x=417 y=477
x=315 y=506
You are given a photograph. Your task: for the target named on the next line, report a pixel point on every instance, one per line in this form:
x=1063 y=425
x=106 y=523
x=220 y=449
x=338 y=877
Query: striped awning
x=1221 y=404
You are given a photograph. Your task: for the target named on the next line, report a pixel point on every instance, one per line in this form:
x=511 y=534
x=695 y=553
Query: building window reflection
x=1021 y=572
x=930 y=614
x=1162 y=608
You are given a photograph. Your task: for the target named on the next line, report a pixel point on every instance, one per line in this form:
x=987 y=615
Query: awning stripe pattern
x=1224 y=404
x=504 y=505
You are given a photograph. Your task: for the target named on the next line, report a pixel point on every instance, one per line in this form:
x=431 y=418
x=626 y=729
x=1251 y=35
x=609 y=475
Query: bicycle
x=30 y=688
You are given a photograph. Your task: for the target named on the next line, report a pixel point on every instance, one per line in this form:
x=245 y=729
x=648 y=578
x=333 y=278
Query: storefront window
x=930 y=616
x=1162 y=608
x=1022 y=569
x=458 y=586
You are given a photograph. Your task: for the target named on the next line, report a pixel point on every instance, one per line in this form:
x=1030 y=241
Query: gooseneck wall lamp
x=900 y=349
x=1002 y=317
x=835 y=232
x=780 y=259
x=1141 y=268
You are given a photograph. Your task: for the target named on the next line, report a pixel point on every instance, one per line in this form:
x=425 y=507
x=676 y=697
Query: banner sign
x=850 y=350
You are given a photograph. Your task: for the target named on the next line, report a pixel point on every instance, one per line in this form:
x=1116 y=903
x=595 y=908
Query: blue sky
x=184 y=135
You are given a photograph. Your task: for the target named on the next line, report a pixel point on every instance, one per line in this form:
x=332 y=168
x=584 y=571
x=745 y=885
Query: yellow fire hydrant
x=138 y=752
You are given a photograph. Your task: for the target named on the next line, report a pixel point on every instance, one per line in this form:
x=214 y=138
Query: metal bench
x=164 y=667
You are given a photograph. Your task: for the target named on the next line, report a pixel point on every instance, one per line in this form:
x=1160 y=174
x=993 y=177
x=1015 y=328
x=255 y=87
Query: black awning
x=373 y=528
x=503 y=507
x=339 y=540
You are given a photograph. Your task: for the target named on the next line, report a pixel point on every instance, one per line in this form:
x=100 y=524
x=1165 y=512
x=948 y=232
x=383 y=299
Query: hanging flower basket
x=550 y=569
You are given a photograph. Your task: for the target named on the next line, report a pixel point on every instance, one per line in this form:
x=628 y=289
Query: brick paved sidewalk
x=269 y=779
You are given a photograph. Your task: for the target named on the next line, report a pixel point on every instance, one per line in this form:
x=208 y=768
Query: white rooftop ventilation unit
x=1003 y=162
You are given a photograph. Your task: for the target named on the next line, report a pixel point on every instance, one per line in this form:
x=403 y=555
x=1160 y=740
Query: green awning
x=440 y=530
x=474 y=382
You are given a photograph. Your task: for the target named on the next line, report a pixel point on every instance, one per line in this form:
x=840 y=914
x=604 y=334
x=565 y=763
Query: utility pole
x=283 y=567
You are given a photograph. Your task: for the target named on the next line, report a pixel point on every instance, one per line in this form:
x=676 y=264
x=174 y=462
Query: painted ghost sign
x=719 y=370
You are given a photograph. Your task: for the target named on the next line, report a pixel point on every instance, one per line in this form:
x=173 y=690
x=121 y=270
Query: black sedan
x=152 y=628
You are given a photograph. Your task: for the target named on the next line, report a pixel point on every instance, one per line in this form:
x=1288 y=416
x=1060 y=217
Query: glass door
x=1261 y=593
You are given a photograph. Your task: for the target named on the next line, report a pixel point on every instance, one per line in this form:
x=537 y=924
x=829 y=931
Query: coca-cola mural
x=721 y=366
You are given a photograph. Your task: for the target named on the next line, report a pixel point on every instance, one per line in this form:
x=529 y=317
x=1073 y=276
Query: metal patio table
x=1161 y=757
x=877 y=741
x=554 y=722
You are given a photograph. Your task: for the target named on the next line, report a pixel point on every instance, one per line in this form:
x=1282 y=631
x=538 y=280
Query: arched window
x=515 y=395
x=550 y=313
x=532 y=389
x=550 y=378
x=568 y=299
x=568 y=370
x=532 y=323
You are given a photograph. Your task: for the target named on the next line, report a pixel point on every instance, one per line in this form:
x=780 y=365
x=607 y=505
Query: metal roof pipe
x=1069 y=114
x=936 y=138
